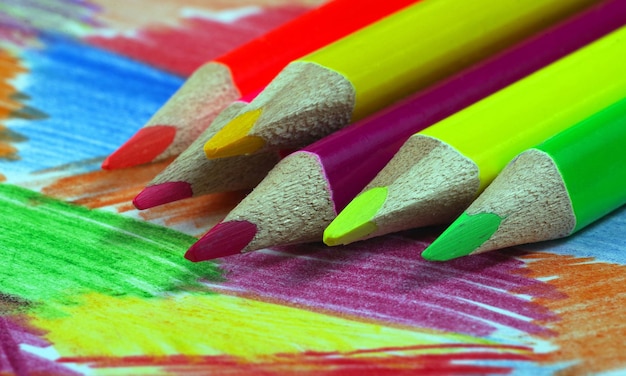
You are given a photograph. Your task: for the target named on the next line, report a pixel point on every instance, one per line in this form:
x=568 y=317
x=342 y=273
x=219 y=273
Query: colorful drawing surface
x=88 y=285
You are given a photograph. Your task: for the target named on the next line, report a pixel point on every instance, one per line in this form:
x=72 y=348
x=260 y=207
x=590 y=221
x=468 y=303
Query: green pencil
x=547 y=192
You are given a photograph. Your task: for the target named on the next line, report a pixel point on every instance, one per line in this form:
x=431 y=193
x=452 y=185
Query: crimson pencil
x=306 y=190
x=240 y=72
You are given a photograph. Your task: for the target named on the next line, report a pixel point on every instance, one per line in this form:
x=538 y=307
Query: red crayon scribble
x=15 y=33
x=444 y=359
x=183 y=48
x=591 y=330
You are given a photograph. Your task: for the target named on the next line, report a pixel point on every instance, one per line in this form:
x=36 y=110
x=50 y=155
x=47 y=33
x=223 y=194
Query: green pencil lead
x=355 y=220
x=464 y=236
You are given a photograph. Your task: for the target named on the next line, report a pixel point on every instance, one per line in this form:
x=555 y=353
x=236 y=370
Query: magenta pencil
x=305 y=191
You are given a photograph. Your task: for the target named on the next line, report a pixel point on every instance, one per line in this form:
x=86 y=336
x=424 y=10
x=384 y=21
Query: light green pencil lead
x=355 y=221
x=463 y=237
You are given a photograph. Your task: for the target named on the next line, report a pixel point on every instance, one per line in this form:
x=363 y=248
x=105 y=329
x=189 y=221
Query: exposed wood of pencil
x=191 y=174
x=550 y=191
x=448 y=182
x=304 y=103
x=181 y=120
x=531 y=198
x=274 y=222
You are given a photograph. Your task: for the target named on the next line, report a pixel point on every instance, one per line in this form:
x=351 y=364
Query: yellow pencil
x=378 y=65
x=440 y=170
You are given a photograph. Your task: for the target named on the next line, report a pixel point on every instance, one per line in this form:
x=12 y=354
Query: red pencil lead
x=142 y=148
x=225 y=239
x=160 y=194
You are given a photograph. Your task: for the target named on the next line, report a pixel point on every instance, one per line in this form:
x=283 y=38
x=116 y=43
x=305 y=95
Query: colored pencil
x=548 y=192
x=191 y=174
x=376 y=66
x=439 y=171
x=346 y=161
x=240 y=72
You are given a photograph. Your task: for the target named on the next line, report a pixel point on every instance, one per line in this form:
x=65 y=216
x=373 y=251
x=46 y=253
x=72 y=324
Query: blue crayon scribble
x=95 y=100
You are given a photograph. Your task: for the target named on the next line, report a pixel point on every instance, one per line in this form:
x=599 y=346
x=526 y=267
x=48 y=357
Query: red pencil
x=307 y=189
x=240 y=72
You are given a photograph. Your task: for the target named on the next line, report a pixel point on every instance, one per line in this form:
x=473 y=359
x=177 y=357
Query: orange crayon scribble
x=6 y=151
x=10 y=68
x=591 y=331
x=98 y=189
x=11 y=104
x=203 y=212
x=117 y=188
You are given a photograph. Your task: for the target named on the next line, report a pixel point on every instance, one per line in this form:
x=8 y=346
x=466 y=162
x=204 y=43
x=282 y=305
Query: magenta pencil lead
x=160 y=194
x=224 y=239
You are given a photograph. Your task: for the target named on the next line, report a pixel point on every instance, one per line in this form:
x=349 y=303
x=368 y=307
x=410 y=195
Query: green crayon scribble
x=52 y=252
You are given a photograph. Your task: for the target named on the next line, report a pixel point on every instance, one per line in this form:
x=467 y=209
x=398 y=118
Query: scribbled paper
x=89 y=285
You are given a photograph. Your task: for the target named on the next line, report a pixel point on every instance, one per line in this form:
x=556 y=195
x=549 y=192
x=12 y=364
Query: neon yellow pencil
x=440 y=170
x=378 y=65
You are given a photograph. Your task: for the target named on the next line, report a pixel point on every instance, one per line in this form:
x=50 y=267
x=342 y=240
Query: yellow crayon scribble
x=216 y=325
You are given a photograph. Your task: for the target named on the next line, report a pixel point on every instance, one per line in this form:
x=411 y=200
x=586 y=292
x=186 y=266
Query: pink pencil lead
x=225 y=239
x=159 y=194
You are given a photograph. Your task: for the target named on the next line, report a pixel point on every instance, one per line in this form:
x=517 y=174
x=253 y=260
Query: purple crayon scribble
x=15 y=361
x=385 y=279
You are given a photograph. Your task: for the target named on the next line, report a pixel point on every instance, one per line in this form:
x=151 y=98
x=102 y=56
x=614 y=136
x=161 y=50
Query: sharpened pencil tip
x=243 y=146
x=160 y=194
x=355 y=220
x=464 y=236
x=147 y=144
x=233 y=139
x=225 y=239
x=356 y=233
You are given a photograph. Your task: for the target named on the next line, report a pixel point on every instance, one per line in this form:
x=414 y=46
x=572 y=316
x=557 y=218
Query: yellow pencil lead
x=355 y=222
x=234 y=138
